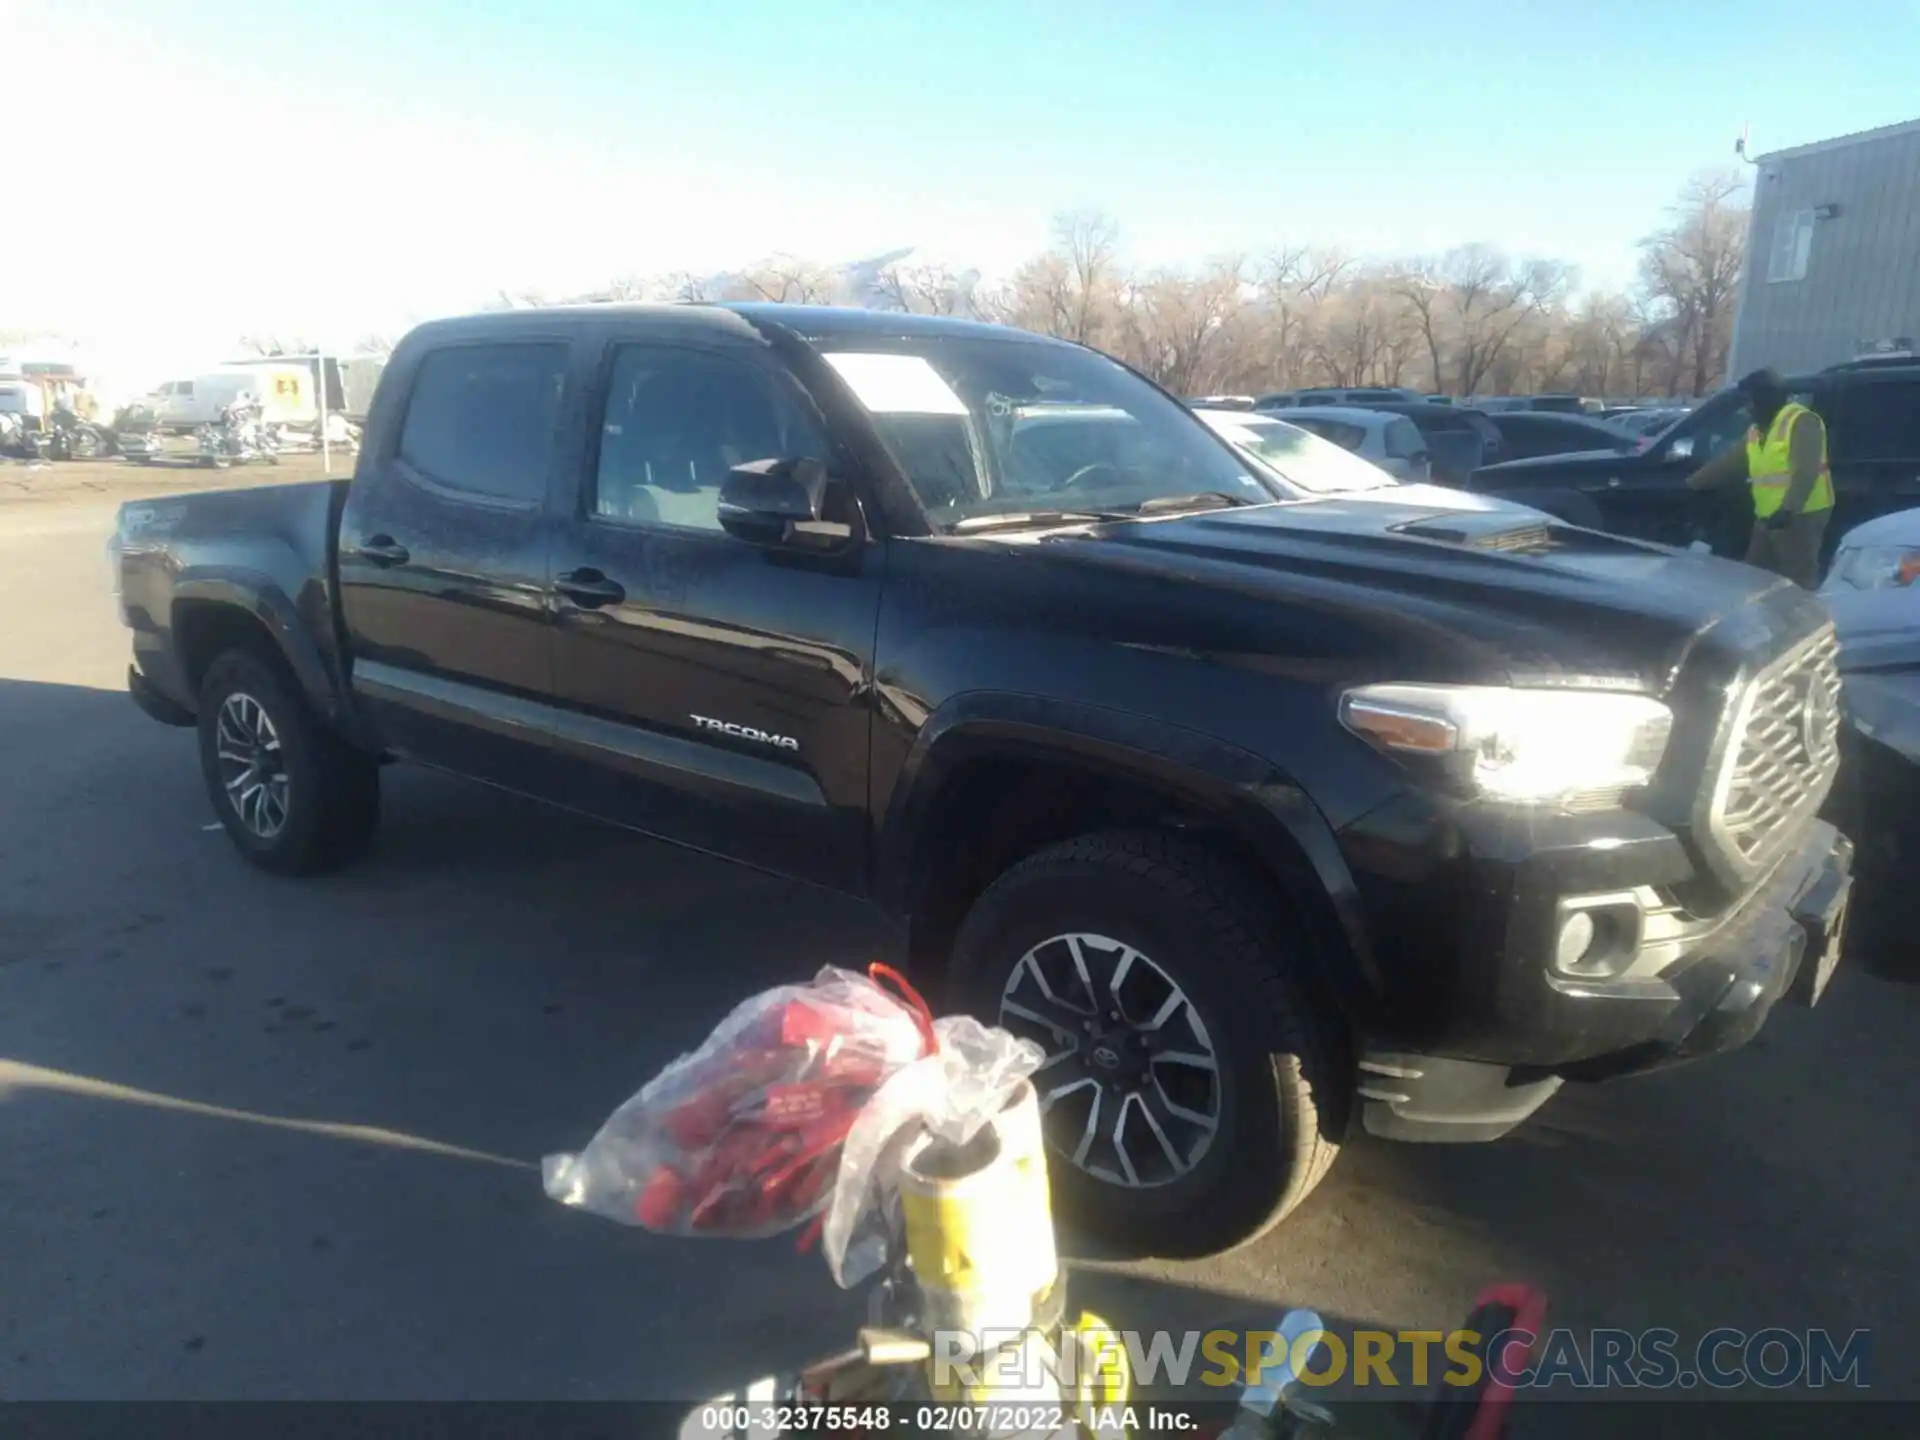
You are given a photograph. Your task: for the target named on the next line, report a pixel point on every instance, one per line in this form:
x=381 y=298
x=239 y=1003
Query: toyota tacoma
x=1268 y=803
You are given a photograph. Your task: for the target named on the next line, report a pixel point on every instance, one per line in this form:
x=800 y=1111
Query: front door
x=713 y=693
x=1646 y=496
x=443 y=561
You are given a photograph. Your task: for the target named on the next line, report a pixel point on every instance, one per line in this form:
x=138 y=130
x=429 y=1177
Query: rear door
x=1407 y=451
x=1873 y=445
x=714 y=693
x=443 y=559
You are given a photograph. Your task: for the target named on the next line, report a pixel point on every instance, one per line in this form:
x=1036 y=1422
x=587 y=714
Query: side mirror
x=1681 y=448
x=790 y=504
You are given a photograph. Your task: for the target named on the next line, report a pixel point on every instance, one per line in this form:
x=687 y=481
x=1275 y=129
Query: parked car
x=1528 y=434
x=1552 y=404
x=1255 y=816
x=1390 y=441
x=1302 y=462
x=284 y=391
x=1349 y=395
x=1643 y=423
x=1221 y=402
x=1872 y=412
x=1459 y=438
x=1873 y=590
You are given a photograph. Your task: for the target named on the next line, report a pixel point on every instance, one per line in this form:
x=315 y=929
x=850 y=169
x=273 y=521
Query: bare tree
x=268 y=346
x=1425 y=297
x=1692 y=266
x=785 y=280
x=924 y=289
x=1468 y=321
x=1361 y=331
x=685 y=287
x=1489 y=298
x=1073 y=290
x=1294 y=283
x=1181 y=328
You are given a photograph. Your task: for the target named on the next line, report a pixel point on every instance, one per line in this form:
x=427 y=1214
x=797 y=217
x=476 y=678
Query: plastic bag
x=741 y=1138
x=967 y=1081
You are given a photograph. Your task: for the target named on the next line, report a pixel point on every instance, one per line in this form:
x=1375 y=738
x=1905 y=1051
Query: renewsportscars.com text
x=1657 y=1359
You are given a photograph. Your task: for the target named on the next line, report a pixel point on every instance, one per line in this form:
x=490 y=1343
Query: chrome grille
x=1781 y=754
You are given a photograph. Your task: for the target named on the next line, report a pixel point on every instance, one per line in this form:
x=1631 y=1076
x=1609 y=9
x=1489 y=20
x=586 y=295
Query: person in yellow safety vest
x=1785 y=462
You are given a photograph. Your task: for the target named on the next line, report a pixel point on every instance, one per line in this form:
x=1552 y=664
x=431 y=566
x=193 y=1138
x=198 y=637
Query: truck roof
x=813 y=322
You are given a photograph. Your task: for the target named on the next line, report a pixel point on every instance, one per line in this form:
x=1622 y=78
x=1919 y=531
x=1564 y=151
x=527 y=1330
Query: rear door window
x=1349 y=437
x=484 y=419
x=1404 y=441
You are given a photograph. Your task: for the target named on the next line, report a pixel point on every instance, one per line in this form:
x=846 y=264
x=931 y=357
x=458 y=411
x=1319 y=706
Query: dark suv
x=1255 y=812
x=1872 y=411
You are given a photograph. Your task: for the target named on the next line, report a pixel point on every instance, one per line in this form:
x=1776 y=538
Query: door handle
x=384 y=550
x=589 y=589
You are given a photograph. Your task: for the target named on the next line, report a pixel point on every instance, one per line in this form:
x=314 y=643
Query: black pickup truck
x=1264 y=812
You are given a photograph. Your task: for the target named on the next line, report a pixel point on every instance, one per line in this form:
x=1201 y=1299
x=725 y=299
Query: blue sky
x=487 y=145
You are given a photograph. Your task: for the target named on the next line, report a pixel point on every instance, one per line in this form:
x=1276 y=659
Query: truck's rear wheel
x=294 y=798
x=1195 y=1093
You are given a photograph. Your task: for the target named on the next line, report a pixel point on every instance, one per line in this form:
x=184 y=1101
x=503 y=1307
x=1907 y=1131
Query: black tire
x=332 y=790
x=1284 y=1076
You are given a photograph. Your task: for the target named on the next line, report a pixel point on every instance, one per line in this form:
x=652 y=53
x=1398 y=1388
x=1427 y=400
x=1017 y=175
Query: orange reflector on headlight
x=1401 y=729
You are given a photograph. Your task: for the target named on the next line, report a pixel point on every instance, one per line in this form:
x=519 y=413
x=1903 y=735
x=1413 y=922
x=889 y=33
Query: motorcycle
x=137 y=435
x=67 y=437
x=239 y=436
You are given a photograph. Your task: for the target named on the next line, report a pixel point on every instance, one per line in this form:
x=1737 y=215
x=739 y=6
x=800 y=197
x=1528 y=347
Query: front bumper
x=1716 y=983
x=154 y=702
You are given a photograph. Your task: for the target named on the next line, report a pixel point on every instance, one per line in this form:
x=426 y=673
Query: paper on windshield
x=897 y=384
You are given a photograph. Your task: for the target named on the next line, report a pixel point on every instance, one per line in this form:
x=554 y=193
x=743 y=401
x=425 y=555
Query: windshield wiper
x=1199 y=500
x=1036 y=517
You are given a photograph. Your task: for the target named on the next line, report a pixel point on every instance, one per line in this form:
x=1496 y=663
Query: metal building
x=1833 y=256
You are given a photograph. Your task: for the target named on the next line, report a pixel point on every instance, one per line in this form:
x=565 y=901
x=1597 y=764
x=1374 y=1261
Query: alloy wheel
x=1130 y=1087
x=253 y=767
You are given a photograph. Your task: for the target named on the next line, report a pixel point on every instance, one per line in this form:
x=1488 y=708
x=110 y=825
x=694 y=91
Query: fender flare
x=1245 y=794
x=257 y=595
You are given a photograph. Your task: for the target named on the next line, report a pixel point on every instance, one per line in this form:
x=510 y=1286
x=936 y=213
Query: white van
x=285 y=393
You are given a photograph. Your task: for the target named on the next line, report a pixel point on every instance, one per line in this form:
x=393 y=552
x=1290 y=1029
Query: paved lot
x=269 y=1139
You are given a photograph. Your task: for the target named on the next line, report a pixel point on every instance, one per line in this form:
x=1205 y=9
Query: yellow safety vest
x=1770 y=465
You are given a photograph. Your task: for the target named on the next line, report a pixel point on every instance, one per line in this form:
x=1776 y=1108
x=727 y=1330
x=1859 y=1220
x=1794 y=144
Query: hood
x=1434 y=498
x=1477 y=591
x=1542 y=464
x=1902 y=527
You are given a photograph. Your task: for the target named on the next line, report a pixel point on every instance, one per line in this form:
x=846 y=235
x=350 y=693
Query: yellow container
x=979 y=1222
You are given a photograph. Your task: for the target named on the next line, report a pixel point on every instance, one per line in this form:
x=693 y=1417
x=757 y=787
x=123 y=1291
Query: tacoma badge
x=746 y=732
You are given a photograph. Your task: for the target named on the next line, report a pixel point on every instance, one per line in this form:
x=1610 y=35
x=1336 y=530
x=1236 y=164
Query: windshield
x=982 y=426
x=1299 y=457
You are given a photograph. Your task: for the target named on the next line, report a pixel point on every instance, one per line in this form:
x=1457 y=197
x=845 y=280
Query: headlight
x=1875 y=567
x=1575 y=748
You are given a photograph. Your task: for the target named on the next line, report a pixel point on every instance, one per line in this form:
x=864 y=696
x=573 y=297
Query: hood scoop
x=1486 y=531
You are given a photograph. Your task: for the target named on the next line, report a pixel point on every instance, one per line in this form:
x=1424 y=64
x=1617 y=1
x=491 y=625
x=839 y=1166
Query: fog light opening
x=1576 y=941
x=1598 y=937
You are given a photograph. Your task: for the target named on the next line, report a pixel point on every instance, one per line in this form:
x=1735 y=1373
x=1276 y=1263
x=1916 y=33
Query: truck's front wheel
x=294 y=798
x=1194 y=1091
